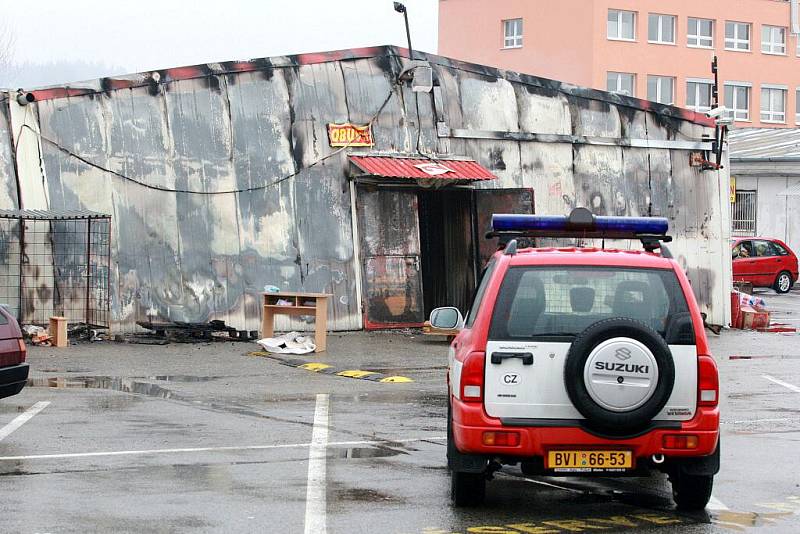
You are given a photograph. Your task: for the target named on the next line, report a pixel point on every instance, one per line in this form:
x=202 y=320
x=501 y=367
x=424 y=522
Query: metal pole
x=21 y=261
x=88 y=267
x=401 y=8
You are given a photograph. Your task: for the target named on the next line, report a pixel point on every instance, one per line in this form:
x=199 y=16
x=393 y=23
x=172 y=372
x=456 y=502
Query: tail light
x=679 y=441
x=501 y=439
x=23 y=350
x=472 y=377
x=707 y=381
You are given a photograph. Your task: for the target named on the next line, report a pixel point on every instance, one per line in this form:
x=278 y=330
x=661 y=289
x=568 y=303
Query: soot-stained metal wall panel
x=195 y=257
x=246 y=125
x=611 y=180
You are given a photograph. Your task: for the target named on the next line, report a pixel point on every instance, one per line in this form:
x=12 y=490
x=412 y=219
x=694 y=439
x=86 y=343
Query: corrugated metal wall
x=195 y=257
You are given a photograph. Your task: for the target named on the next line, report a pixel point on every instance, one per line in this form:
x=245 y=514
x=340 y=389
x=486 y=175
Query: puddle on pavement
x=741 y=520
x=182 y=378
x=363 y=452
x=124 y=385
x=363 y=495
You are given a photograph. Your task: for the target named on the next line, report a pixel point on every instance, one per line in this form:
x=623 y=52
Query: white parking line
x=715 y=505
x=22 y=418
x=782 y=383
x=316 y=496
x=374 y=443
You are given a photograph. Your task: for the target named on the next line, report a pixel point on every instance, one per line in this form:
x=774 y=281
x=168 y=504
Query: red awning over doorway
x=421 y=168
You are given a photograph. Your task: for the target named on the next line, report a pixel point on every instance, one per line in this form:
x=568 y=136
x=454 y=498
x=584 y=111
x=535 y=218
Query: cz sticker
x=511 y=379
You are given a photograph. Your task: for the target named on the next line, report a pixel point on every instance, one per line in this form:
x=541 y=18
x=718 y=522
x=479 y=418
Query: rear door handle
x=526 y=357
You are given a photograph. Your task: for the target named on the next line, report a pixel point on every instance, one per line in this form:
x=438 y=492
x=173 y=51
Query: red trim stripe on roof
x=421 y=168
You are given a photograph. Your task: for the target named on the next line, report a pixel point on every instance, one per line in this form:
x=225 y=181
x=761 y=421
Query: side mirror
x=447 y=318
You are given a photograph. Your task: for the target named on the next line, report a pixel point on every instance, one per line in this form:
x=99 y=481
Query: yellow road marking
x=395 y=379
x=355 y=373
x=316 y=367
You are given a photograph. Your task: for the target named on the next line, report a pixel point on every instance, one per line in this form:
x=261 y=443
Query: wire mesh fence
x=55 y=264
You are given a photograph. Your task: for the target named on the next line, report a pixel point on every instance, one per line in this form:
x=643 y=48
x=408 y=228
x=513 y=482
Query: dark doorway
x=448 y=248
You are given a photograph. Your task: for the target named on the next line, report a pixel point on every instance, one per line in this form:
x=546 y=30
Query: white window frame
x=619 y=76
x=699 y=39
x=731 y=43
x=515 y=39
x=618 y=36
x=739 y=114
x=658 y=96
x=660 y=37
x=797 y=107
x=772 y=47
x=773 y=117
x=700 y=82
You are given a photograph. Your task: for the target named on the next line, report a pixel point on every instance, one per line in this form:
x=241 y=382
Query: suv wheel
x=783 y=283
x=467 y=489
x=691 y=492
x=638 y=360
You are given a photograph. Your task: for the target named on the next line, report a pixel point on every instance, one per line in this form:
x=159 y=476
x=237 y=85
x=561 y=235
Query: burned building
x=337 y=172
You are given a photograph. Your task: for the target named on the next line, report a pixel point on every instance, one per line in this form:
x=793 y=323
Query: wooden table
x=315 y=304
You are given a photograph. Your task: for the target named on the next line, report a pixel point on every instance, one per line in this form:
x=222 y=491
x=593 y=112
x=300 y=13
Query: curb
x=327 y=369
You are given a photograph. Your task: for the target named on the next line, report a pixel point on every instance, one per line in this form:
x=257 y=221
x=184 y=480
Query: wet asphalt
x=207 y=438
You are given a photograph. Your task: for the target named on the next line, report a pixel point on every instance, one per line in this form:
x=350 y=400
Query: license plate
x=589 y=461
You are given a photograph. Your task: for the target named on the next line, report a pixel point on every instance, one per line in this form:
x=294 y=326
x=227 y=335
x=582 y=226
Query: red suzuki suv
x=582 y=361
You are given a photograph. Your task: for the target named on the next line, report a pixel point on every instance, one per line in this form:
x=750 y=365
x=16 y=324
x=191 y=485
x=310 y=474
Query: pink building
x=650 y=49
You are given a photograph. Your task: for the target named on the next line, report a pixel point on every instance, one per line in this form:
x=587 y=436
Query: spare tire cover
x=619 y=374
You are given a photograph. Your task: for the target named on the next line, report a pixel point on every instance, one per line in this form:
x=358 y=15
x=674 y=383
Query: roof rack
x=582 y=223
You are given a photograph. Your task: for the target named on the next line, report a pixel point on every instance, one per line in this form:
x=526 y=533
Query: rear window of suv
x=558 y=302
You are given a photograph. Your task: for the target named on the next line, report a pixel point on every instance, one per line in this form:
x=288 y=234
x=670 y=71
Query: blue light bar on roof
x=581 y=223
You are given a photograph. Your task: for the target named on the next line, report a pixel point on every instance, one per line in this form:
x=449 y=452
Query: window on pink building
x=737 y=99
x=621 y=25
x=661 y=29
x=773 y=104
x=698 y=95
x=700 y=33
x=797 y=108
x=622 y=83
x=737 y=36
x=773 y=40
x=661 y=89
x=512 y=30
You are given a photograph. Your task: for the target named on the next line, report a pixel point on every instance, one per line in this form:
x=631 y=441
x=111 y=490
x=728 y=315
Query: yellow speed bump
x=316 y=367
x=355 y=373
x=395 y=379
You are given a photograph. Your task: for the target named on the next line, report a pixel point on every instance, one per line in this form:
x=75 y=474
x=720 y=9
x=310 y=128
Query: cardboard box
x=753 y=319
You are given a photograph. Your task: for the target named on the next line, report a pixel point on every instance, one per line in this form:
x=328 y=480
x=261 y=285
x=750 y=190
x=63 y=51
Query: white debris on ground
x=289 y=343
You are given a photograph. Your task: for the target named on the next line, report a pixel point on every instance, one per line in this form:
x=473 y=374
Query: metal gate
x=744 y=213
x=55 y=263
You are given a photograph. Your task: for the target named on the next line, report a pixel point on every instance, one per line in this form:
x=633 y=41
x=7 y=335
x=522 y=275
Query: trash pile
x=749 y=312
x=36 y=335
x=180 y=332
x=290 y=343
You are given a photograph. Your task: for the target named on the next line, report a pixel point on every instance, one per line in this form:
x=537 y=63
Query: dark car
x=13 y=369
x=764 y=263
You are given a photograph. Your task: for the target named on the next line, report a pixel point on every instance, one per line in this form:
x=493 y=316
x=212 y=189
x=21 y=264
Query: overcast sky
x=140 y=35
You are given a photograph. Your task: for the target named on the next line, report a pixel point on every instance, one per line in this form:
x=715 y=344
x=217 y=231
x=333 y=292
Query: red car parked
x=13 y=369
x=764 y=263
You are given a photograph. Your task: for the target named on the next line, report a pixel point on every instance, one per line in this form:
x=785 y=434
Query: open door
x=390 y=255
x=490 y=201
